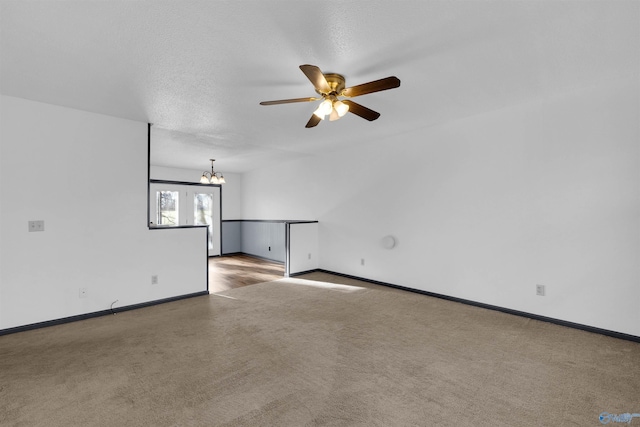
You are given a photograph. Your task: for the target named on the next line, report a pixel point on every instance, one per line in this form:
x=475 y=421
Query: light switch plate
x=36 y=225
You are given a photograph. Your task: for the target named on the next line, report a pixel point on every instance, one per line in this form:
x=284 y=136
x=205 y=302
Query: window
x=167 y=202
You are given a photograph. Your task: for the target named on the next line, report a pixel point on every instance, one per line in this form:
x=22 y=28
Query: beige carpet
x=296 y=352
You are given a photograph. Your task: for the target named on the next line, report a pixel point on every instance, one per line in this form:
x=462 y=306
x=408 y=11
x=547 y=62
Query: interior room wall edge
x=96 y=250
x=487 y=207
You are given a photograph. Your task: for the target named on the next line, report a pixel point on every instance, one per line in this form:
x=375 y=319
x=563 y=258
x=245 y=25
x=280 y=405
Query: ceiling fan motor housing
x=336 y=83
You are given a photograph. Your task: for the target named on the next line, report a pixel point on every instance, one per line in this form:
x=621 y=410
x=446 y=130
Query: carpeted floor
x=319 y=350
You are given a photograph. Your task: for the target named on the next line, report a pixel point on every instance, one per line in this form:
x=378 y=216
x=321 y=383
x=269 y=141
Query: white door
x=205 y=210
x=173 y=205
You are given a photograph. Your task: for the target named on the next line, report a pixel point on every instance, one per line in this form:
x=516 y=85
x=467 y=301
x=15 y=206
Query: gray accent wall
x=264 y=239
x=231 y=237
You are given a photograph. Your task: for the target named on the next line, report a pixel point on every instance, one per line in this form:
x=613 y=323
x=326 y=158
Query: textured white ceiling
x=198 y=69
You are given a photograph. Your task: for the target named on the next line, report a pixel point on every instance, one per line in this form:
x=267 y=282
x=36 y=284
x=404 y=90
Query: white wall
x=303 y=247
x=231 y=190
x=85 y=175
x=486 y=207
x=296 y=198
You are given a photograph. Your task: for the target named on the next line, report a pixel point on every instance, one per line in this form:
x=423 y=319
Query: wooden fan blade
x=313 y=121
x=361 y=111
x=316 y=77
x=374 y=86
x=289 y=101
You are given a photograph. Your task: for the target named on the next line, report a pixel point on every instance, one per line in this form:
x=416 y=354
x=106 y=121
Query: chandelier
x=212 y=177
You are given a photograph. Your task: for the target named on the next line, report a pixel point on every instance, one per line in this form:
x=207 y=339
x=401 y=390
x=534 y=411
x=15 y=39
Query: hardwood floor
x=234 y=271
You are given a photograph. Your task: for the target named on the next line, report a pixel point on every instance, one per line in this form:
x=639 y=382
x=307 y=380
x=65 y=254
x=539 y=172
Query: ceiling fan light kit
x=331 y=87
x=212 y=177
x=325 y=108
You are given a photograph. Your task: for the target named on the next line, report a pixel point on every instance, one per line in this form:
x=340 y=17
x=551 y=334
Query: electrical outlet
x=540 y=290
x=309 y=256
x=154 y=280
x=361 y=261
x=269 y=247
x=82 y=293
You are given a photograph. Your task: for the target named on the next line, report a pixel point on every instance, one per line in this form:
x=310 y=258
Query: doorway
x=180 y=205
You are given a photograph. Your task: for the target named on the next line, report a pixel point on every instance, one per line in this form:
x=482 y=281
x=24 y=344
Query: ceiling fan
x=331 y=87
